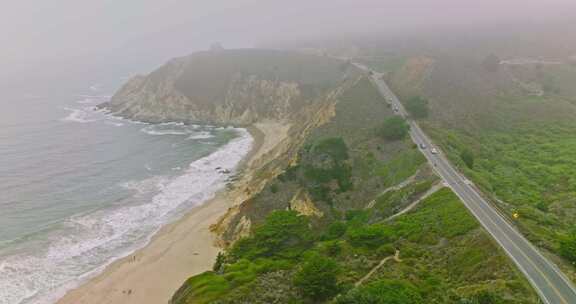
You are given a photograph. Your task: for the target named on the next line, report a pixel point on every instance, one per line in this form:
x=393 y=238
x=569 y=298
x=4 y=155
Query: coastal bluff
x=239 y=87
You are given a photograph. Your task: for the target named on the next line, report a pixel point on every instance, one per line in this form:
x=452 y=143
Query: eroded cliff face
x=227 y=88
x=264 y=168
x=152 y=98
x=248 y=100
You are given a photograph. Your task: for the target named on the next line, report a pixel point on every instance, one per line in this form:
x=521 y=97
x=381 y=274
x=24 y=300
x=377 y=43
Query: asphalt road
x=552 y=286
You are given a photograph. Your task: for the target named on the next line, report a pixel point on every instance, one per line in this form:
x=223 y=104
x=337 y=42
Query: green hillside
x=357 y=180
x=517 y=127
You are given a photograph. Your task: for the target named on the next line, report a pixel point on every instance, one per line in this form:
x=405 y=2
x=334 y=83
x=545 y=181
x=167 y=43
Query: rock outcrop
x=238 y=87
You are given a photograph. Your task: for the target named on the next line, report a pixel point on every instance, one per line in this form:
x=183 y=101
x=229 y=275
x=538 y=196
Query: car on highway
x=434 y=151
x=422 y=146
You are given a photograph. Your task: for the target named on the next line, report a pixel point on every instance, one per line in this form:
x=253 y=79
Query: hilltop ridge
x=238 y=87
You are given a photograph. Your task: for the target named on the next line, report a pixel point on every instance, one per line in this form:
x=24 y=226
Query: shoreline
x=179 y=250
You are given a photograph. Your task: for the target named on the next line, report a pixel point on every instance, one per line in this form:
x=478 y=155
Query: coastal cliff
x=285 y=96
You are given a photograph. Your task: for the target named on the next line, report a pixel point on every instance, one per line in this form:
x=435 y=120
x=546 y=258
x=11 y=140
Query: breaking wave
x=42 y=270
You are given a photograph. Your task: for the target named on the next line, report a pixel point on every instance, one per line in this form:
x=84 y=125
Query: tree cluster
x=417 y=106
x=394 y=128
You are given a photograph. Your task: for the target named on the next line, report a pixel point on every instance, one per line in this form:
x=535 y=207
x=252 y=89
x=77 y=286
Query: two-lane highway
x=552 y=286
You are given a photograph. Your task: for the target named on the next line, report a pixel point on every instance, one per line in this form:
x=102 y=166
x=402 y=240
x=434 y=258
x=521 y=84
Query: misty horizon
x=36 y=35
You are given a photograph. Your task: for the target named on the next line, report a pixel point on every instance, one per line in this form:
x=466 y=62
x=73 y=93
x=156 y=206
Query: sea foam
x=79 y=115
x=193 y=131
x=85 y=244
x=88 y=113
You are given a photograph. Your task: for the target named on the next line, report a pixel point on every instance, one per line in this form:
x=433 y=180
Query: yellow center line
x=527 y=258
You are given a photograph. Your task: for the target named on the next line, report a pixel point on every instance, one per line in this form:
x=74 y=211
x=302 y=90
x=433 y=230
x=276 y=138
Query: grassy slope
x=448 y=257
x=444 y=254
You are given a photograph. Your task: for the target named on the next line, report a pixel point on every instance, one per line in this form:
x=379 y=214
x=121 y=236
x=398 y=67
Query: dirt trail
x=395 y=257
x=399 y=186
x=430 y=191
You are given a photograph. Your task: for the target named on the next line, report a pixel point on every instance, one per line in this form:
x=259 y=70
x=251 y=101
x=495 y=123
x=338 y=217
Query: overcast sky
x=59 y=31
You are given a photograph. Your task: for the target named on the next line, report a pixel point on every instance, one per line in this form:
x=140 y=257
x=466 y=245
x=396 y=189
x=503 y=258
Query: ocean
x=80 y=188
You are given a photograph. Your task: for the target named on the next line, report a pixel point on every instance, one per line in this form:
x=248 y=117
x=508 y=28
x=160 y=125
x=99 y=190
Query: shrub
x=467 y=157
x=356 y=218
x=317 y=175
x=324 y=164
x=289 y=174
x=283 y=234
x=568 y=247
x=343 y=174
x=219 y=263
x=370 y=236
x=240 y=273
x=333 y=248
x=485 y=297
x=333 y=146
x=274 y=188
x=320 y=193
x=335 y=230
x=317 y=279
x=394 y=128
x=542 y=206
x=383 y=292
x=386 y=250
x=417 y=106
x=202 y=288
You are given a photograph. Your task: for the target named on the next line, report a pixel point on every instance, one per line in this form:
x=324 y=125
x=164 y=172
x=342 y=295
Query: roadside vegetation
x=531 y=169
x=510 y=129
x=394 y=128
x=417 y=106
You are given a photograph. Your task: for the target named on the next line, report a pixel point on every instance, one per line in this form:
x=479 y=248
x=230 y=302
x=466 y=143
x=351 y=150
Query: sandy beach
x=179 y=250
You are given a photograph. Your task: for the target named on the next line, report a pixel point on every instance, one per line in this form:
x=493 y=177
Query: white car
x=434 y=151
